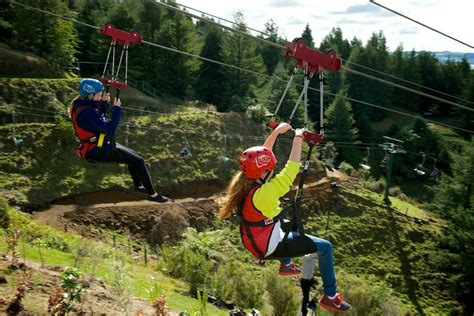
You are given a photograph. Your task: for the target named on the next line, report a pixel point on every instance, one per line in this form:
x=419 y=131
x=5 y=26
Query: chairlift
x=365 y=161
x=185 y=152
x=384 y=162
x=16 y=141
x=419 y=168
x=434 y=176
x=224 y=150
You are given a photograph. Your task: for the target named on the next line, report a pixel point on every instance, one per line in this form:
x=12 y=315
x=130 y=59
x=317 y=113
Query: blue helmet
x=87 y=86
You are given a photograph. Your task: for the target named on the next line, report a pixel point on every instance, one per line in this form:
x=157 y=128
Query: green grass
x=384 y=245
x=141 y=276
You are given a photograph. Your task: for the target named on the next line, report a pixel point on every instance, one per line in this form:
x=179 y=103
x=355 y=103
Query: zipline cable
x=354 y=145
x=260 y=74
x=422 y=24
x=407 y=81
x=346 y=61
x=283 y=47
x=407 y=89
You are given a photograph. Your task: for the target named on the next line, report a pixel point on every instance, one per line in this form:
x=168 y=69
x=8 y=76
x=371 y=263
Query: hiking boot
x=289 y=269
x=336 y=304
x=159 y=198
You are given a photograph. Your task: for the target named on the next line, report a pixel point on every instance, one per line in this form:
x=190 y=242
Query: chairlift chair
x=365 y=161
x=434 y=176
x=224 y=150
x=419 y=169
x=16 y=141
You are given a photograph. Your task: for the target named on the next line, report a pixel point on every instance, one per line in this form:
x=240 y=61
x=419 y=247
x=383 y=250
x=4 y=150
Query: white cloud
x=284 y=3
x=358 y=18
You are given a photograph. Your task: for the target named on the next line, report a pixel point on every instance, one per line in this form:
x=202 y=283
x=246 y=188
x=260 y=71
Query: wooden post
x=146 y=256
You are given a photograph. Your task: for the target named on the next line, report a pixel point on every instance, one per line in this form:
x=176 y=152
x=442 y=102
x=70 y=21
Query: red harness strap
x=88 y=139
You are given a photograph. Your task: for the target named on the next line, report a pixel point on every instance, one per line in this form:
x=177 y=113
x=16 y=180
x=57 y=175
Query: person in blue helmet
x=97 y=135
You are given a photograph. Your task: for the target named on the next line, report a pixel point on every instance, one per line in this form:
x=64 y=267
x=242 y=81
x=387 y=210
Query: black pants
x=122 y=154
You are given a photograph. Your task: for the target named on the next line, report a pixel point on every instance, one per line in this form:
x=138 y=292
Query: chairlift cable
x=254 y=72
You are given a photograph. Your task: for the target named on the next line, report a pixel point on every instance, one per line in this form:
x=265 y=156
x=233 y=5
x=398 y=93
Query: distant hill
x=444 y=56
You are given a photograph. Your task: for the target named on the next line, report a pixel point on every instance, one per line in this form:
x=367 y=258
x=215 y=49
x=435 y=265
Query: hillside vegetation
x=388 y=260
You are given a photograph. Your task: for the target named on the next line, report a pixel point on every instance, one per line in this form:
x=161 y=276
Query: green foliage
x=420 y=138
x=202 y=300
x=308 y=36
x=270 y=54
x=4 y=217
x=211 y=83
x=283 y=295
x=369 y=298
x=340 y=125
x=454 y=200
x=70 y=282
x=346 y=168
x=329 y=154
x=211 y=261
x=257 y=113
x=241 y=52
x=374 y=55
x=54 y=39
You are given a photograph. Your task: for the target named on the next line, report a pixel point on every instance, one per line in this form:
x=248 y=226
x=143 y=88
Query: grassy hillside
x=44 y=167
x=382 y=255
x=41 y=100
x=122 y=275
x=15 y=63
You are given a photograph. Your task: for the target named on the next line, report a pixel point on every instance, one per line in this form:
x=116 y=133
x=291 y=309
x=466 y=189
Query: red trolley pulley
x=311 y=61
x=124 y=39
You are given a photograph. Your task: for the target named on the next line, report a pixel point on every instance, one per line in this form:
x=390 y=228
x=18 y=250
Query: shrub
x=395 y=191
x=256 y=113
x=169 y=227
x=4 y=217
x=282 y=294
x=346 y=168
x=366 y=298
x=62 y=301
x=376 y=186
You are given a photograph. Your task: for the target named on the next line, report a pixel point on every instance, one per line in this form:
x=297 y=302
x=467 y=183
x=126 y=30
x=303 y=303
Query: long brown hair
x=69 y=108
x=235 y=190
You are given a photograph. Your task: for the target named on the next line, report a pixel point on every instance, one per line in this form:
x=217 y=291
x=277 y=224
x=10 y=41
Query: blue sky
x=358 y=18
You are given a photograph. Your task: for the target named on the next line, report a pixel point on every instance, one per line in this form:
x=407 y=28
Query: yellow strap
x=101 y=140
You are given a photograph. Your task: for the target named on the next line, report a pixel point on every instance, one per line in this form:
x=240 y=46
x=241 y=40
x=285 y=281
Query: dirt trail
x=127 y=211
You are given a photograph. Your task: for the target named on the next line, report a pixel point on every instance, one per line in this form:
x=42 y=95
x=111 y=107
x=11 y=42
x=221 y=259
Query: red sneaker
x=336 y=304
x=289 y=269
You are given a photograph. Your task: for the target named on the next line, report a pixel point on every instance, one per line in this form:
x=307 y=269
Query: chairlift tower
x=391 y=146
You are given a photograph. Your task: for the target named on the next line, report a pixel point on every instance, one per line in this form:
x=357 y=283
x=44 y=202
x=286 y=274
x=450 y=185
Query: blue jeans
x=325 y=260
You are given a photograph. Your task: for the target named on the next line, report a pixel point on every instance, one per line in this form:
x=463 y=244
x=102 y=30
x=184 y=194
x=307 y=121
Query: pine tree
x=277 y=88
x=340 y=127
x=151 y=21
x=173 y=69
x=405 y=66
x=211 y=79
x=52 y=38
x=374 y=55
x=307 y=36
x=241 y=52
x=333 y=80
x=430 y=75
x=270 y=54
x=92 y=45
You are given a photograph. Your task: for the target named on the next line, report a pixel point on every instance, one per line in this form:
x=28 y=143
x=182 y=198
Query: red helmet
x=255 y=160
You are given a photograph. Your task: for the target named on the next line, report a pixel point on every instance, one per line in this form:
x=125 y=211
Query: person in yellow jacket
x=255 y=195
